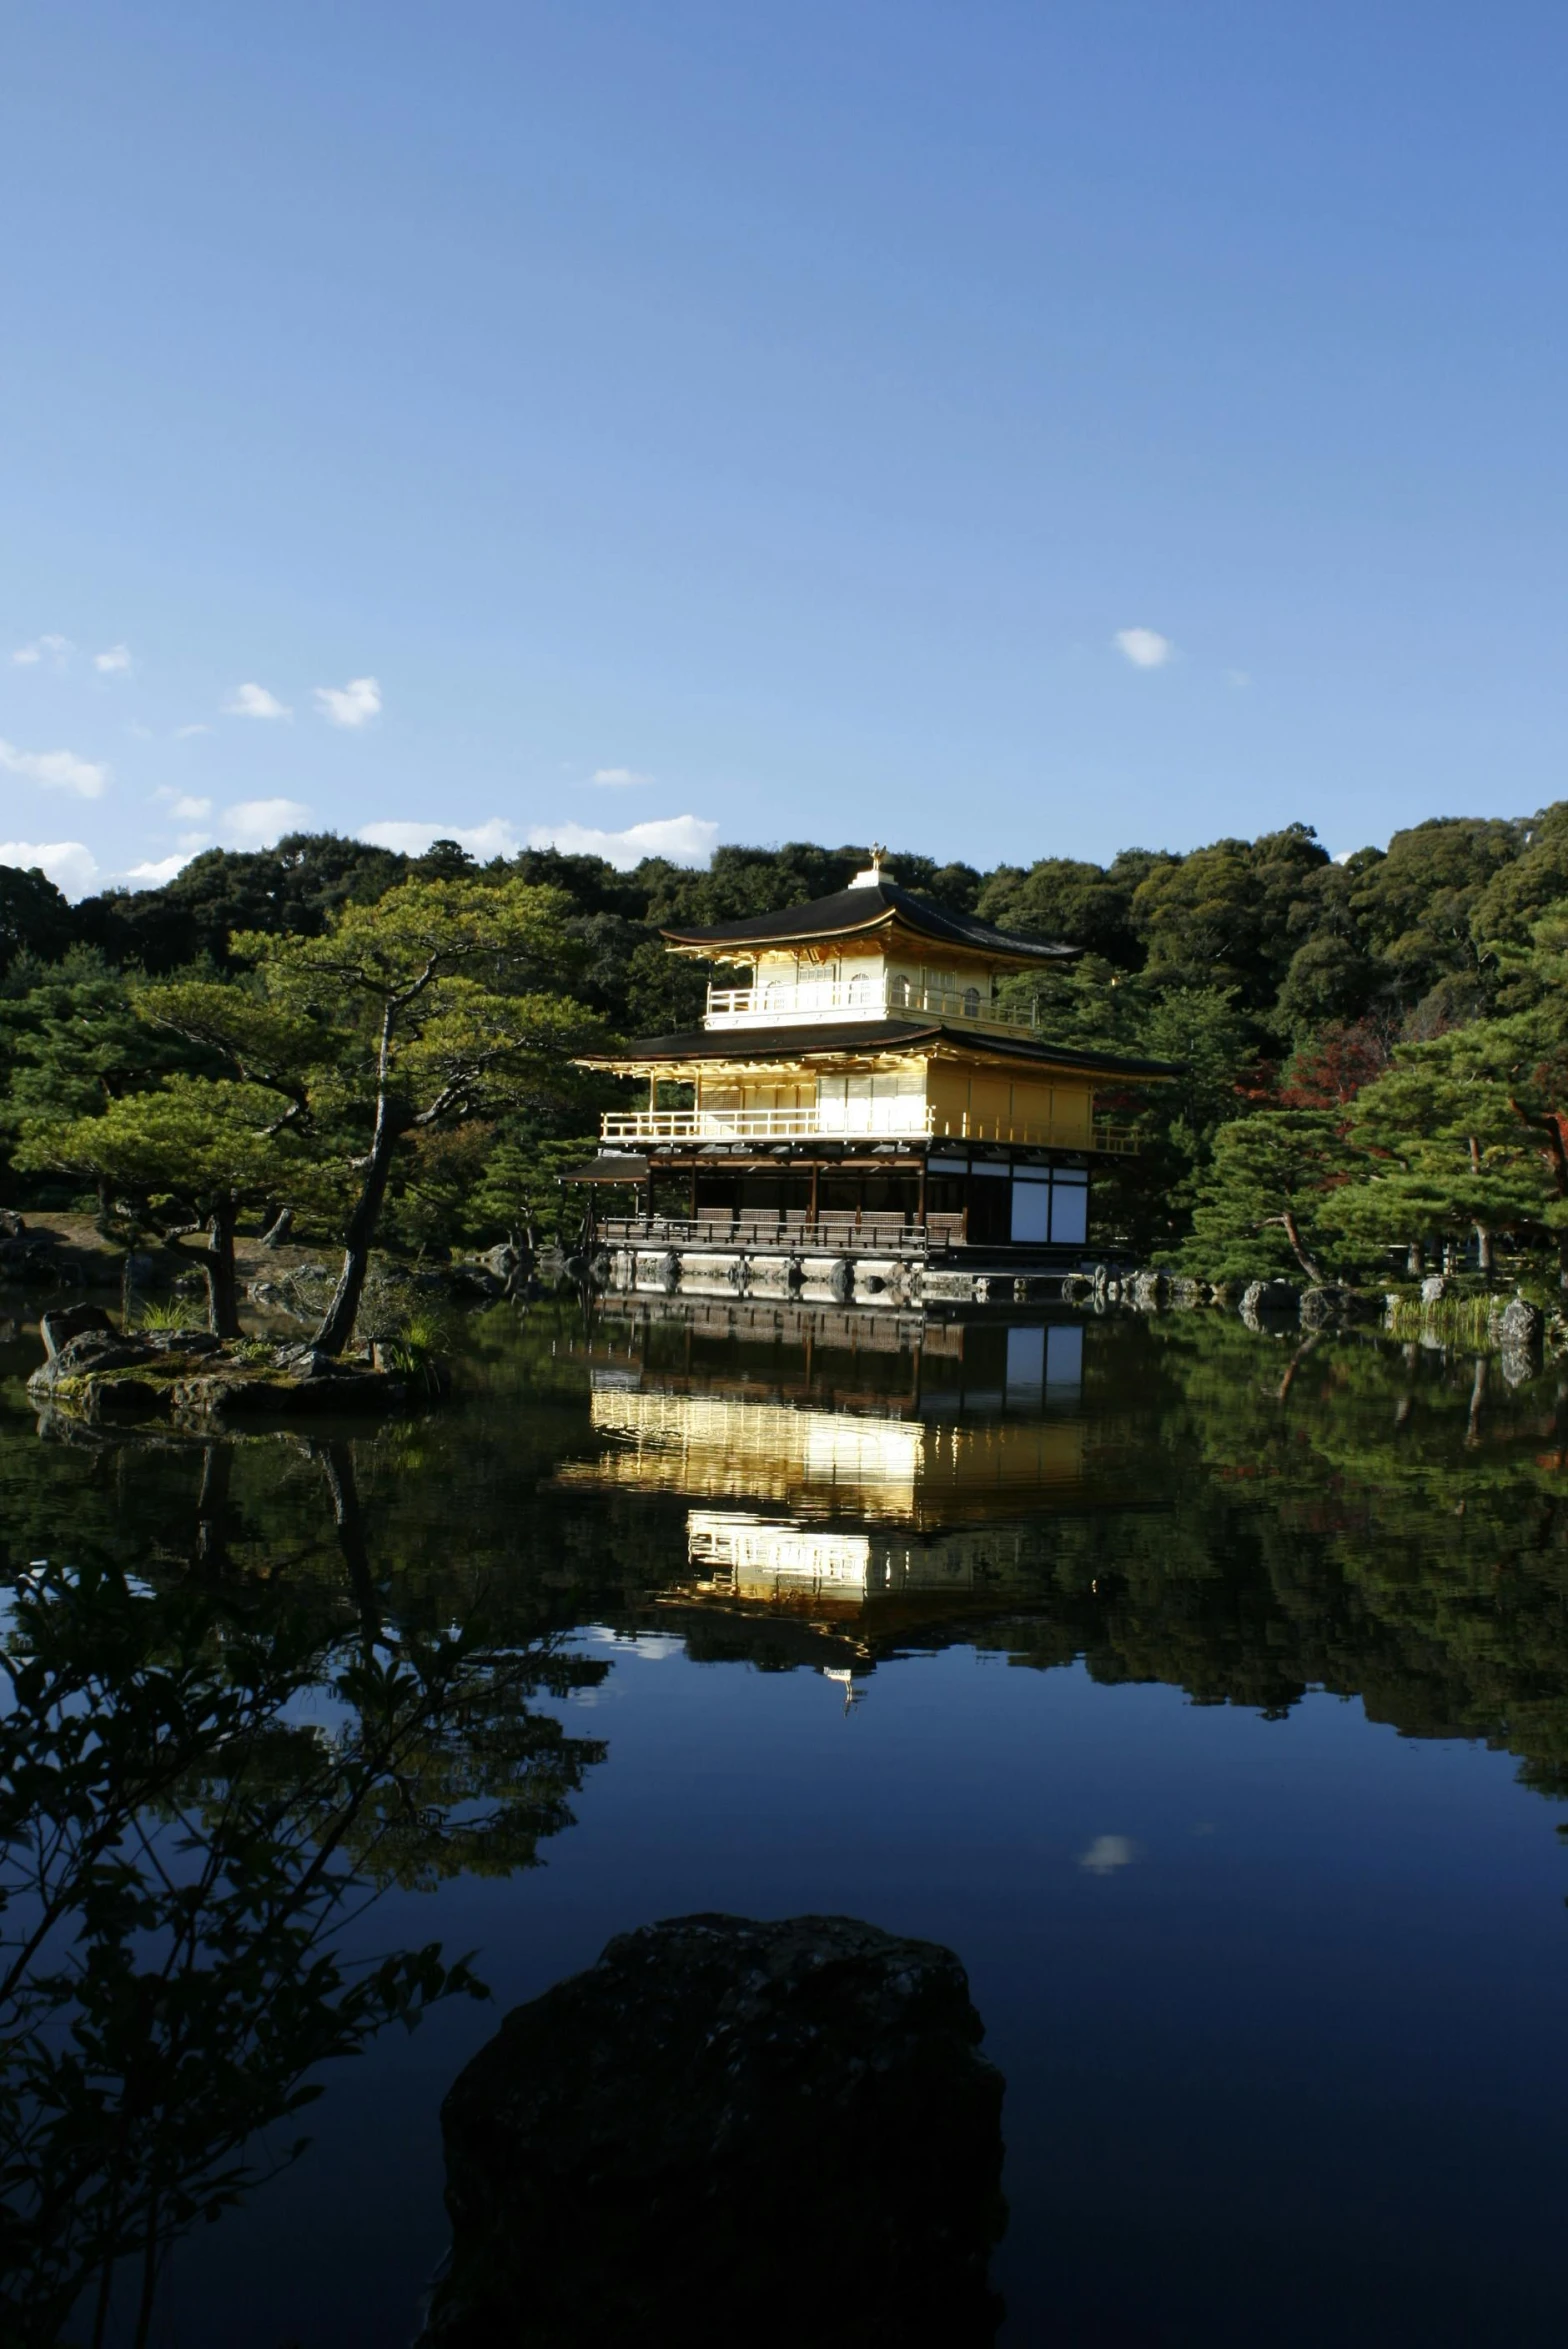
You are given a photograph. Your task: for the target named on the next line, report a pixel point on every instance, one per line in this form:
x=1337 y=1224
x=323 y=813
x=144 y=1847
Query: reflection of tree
x=180 y=1846
x=1361 y=1526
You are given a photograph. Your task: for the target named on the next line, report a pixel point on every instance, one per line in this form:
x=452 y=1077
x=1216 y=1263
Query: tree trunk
x=1415 y=1261
x=1477 y=1397
x=1550 y=1128
x=337 y=1461
x=277 y=1227
x=1483 y=1237
x=1308 y=1346
x=1298 y=1250
x=223 y=1307
x=337 y=1325
x=212 y=1511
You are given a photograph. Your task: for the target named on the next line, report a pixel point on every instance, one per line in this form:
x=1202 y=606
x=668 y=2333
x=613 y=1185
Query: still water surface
x=1207 y=1692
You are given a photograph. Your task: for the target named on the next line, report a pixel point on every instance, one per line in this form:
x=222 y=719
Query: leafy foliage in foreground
x=180 y=1850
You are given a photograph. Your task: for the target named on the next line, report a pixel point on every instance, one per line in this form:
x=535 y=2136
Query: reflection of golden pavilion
x=868 y=1490
x=832 y=1571
x=826 y=1463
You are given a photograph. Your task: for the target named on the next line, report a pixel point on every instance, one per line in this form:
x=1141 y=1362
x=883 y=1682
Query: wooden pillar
x=816 y=1174
x=920 y=1206
x=693 y=1190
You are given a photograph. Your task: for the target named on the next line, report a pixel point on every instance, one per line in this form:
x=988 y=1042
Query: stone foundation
x=879 y=1281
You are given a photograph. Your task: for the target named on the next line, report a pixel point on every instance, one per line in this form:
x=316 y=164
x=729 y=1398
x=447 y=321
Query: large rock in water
x=1269 y=1300
x=729 y=2132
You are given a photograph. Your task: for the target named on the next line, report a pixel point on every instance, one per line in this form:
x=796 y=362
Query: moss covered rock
x=186 y=1375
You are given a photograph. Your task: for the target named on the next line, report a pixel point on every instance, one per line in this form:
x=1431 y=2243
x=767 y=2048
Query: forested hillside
x=1374 y=1051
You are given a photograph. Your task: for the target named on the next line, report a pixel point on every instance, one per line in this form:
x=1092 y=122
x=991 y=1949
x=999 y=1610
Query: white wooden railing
x=881 y=1120
x=894 y=1117
x=780 y=1003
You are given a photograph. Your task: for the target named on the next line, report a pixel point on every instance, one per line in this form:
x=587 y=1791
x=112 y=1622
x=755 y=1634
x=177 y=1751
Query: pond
x=1205 y=1691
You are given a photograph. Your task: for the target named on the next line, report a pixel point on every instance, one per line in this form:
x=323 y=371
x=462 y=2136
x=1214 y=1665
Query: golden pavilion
x=865 y=1092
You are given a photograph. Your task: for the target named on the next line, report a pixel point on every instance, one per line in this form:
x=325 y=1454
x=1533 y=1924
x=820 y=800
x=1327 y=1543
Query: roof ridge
x=848 y=911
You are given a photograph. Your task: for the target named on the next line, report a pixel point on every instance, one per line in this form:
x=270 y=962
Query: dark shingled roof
x=805 y=1041
x=852 y=912
x=619 y=1166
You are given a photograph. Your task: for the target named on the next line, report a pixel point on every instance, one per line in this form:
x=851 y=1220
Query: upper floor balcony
x=909 y=1119
x=866 y=994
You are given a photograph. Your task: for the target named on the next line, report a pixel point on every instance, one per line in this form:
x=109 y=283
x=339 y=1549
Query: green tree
x=1415 y=907
x=431 y=1198
x=431 y=1009
x=1085 y=905
x=1523 y=890
x=71 y=1042
x=521 y=1191
x=193 y=1153
x=292 y=887
x=35 y=918
x=1231 y=915
x=1261 y=1205
x=1442 y=1150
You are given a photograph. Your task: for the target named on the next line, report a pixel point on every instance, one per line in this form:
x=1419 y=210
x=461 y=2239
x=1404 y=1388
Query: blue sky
x=1007 y=429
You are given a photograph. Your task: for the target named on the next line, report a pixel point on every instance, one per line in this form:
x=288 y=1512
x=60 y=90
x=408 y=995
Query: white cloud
x=184 y=733
x=353 y=704
x=59 y=770
x=1146 y=648
x=620 y=778
x=138 y=732
x=685 y=840
x=181 y=805
x=1107 y=1853
x=254 y=701
x=70 y=864
x=153 y=876
x=56 y=650
x=257 y=823
x=116 y=662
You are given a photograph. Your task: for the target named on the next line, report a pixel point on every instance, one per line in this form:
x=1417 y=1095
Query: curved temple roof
x=855 y=913
x=861 y=1036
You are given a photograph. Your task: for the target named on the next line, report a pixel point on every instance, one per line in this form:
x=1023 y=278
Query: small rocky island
x=95 y=1372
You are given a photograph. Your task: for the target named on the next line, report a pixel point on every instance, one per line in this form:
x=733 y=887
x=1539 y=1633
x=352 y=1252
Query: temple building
x=864 y=1092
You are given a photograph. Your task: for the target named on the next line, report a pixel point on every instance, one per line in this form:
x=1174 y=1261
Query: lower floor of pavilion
x=914 y=1197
